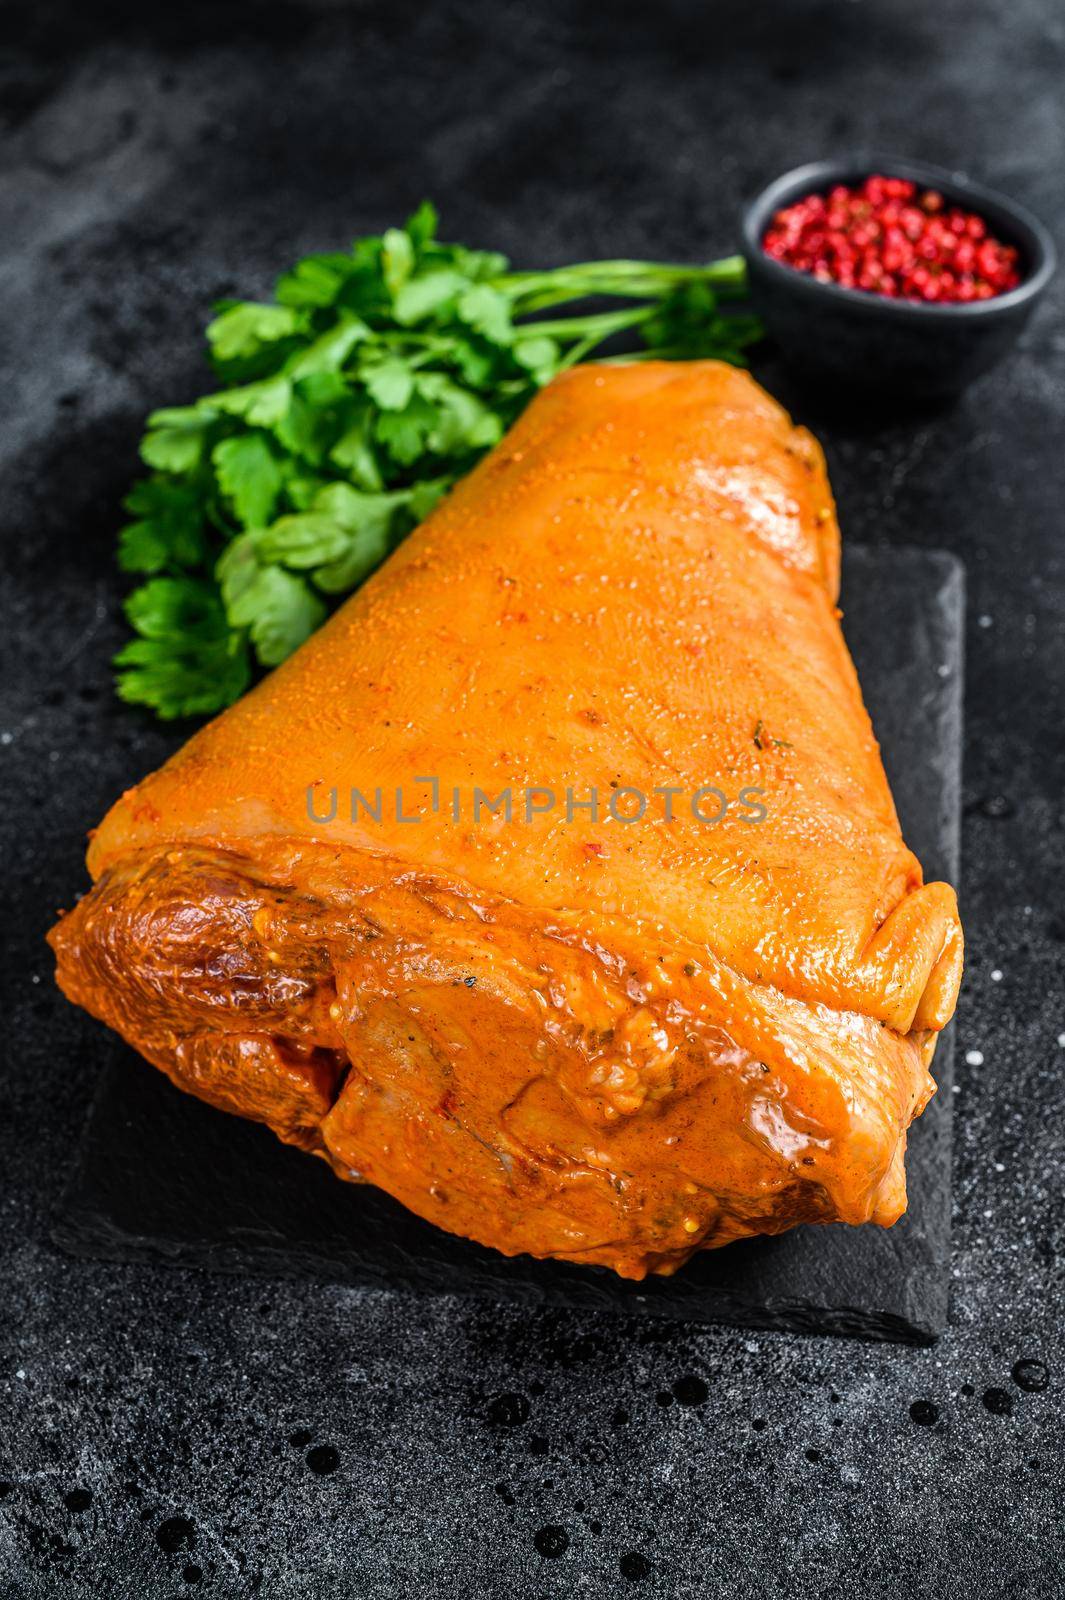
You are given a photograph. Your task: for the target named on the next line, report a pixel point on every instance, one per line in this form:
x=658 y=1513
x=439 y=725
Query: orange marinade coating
x=614 y=1042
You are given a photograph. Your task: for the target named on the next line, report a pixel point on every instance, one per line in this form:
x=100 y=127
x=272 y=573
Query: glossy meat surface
x=611 y=1041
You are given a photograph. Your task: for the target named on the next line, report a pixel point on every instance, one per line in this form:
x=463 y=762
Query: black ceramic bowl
x=896 y=348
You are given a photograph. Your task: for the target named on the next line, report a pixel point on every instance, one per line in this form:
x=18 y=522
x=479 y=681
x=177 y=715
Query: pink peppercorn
x=887 y=237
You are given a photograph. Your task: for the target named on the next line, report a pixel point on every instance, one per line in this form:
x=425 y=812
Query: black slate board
x=161 y=1177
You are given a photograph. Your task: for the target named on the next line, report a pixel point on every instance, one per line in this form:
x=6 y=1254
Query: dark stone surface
x=156 y=157
x=163 y=1178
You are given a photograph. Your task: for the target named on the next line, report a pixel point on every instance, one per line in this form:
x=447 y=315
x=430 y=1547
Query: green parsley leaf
x=480 y=265
x=176 y=438
x=242 y=329
x=405 y=433
x=426 y=496
x=187 y=677
x=301 y=489
x=173 y=608
x=370 y=520
x=421 y=227
x=539 y=355
x=488 y=312
x=420 y=297
x=389 y=383
x=263 y=404
x=310 y=426
x=315 y=282
x=331 y=349
x=397 y=258
x=278 y=608
x=463 y=422
x=355 y=511
x=304 y=539
x=249 y=475
x=476 y=361
x=354 y=453
x=169 y=530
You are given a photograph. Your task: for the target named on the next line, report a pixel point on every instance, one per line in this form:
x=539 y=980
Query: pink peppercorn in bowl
x=909 y=286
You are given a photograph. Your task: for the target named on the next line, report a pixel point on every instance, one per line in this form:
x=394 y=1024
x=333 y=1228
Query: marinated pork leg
x=595 y=1032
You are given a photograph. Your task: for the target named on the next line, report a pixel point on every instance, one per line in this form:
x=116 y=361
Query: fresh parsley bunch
x=347 y=408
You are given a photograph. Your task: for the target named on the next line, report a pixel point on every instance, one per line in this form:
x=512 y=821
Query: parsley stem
x=727 y=270
x=601 y=325
x=537 y=291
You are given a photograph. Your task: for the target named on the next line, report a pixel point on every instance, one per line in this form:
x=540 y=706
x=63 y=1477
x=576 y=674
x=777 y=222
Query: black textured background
x=166 y=1433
